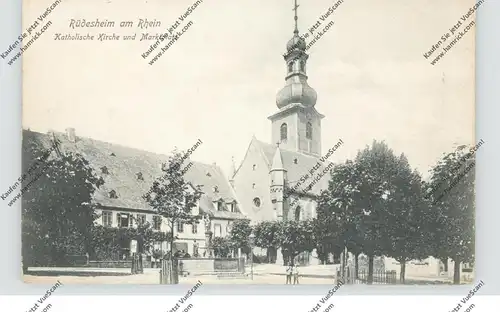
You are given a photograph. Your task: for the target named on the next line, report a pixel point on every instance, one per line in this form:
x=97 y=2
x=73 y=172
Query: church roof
x=125 y=163
x=297 y=165
x=277 y=163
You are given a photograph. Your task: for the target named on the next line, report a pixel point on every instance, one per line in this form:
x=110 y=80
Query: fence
x=379 y=277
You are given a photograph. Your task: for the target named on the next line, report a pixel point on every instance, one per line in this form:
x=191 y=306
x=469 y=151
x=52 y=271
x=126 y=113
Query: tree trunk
x=456 y=272
x=171 y=248
x=356 y=265
x=344 y=262
x=370 y=269
x=402 y=272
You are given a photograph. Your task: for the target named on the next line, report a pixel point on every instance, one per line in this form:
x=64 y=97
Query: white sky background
x=218 y=83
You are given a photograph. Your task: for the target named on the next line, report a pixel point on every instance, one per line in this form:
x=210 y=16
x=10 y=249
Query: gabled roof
x=297 y=170
x=124 y=163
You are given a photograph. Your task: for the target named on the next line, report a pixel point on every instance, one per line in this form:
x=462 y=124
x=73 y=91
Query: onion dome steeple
x=296 y=89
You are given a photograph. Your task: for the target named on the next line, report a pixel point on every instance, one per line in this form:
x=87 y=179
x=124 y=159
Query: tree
x=295 y=237
x=337 y=212
x=266 y=236
x=238 y=237
x=376 y=169
x=57 y=208
x=221 y=246
x=171 y=196
x=451 y=191
x=107 y=242
x=407 y=216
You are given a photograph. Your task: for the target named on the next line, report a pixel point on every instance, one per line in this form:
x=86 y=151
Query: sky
x=218 y=82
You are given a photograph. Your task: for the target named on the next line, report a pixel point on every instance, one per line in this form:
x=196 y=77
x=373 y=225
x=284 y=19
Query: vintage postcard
x=247 y=142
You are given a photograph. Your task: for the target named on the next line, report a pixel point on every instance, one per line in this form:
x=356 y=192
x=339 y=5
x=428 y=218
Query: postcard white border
x=488 y=169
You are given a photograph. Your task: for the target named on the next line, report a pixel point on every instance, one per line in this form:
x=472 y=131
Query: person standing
x=196 y=246
x=289 y=272
x=296 y=274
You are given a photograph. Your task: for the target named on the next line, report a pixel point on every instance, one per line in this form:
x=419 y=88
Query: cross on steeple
x=296 y=31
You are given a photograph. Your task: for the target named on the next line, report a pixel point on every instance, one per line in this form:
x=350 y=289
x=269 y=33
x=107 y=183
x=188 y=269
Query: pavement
x=314 y=271
x=262 y=274
x=328 y=271
x=153 y=278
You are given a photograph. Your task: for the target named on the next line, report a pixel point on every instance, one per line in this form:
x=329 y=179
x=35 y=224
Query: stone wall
x=200 y=266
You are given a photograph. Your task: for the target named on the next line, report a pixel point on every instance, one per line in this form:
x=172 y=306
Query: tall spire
x=233 y=167
x=233 y=172
x=296 y=31
x=296 y=89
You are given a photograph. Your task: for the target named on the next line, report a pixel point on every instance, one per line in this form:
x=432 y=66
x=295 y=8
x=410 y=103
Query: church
x=280 y=180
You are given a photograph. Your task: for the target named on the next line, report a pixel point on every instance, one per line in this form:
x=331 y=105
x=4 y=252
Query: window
x=180 y=226
x=141 y=219
x=107 y=218
x=216 y=189
x=112 y=194
x=309 y=131
x=253 y=167
x=302 y=65
x=157 y=223
x=194 y=227
x=156 y=245
x=297 y=213
x=283 y=132
x=290 y=67
x=123 y=220
x=217 y=230
x=232 y=207
x=219 y=206
x=253 y=185
x=140 y=176
x=256 y=201
x=295 y=161
x=104 y=170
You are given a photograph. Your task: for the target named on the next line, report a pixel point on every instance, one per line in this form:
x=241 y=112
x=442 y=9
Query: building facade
x=128 y=174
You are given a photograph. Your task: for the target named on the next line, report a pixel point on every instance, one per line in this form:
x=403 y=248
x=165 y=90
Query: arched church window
x=297 y=213
x=283 y=132
x=290 y=67
x=302 y=65
x=309 y=131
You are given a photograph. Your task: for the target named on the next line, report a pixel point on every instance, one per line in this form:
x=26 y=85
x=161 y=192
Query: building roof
x=297 y=165
x=123 y=165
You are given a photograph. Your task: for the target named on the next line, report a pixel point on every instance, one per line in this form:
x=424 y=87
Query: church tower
x=297 y=124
